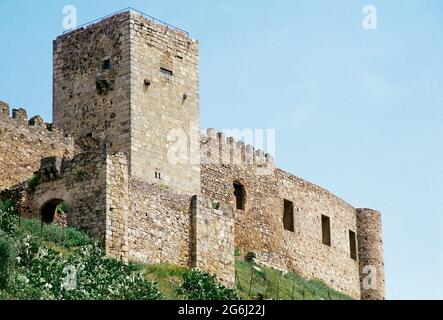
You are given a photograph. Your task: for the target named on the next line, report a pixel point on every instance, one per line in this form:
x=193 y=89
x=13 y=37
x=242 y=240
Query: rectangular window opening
x=326 y=230
x=166 y=72
x=106 y=64
x=288 y=215
x=239 y=193
x=353 y=245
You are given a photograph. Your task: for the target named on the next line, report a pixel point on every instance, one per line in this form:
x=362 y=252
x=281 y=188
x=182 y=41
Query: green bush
x=66 y=237
x=6 y=260
x=33 y=182
x=41 y=268
x=199 y=285
x=8 y=217
x=63 y=207
x=46 y=274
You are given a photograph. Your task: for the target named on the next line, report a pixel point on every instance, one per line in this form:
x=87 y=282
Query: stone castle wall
x=370 y=254
x=213 y=239
x=79 y=181
x=133 y=85
x=24 y=142
x=91 y=78
x=164 y=106
x=117 y=205
x=160 y=226
x=126 y=90
x=259 y=227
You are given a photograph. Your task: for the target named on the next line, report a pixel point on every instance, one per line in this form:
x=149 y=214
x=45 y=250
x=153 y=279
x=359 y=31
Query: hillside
x=39 y=261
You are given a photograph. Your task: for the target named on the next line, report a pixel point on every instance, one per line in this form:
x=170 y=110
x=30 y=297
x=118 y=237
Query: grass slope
x=251 y=284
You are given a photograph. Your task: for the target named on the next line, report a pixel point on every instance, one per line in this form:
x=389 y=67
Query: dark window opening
x=106 y=64
x=239 y=193
x=288 y=215
x=166 y=72
x=353 y=244
x=326 y=230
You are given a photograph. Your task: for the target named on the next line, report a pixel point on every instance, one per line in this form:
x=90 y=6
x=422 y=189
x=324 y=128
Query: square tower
x=133 y=84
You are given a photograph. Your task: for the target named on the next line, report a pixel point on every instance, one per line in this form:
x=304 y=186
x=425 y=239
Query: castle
x=125 y=89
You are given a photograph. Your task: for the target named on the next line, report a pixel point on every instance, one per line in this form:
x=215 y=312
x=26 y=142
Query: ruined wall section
x=24 y=142
x=164 y=106
x=213 y=242
x=259 y=228
x=303 y=249
x=159 y=226
x=117 y=205
x=371 y=260
x=81 y=182
x=91 y=82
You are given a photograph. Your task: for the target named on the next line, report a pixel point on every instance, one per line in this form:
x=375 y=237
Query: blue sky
x=359 y=112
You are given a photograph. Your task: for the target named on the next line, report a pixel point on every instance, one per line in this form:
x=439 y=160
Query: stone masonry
x=126 y=154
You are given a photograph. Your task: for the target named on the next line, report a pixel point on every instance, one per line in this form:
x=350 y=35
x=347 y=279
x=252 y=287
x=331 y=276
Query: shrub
x=8 y=217
x=67 y=237
x=85 y=274
x=63 y=207
x=6 y=260
x=33 y=182
x=199 y=285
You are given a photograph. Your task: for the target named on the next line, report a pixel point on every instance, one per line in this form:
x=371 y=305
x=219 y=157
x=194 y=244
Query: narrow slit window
x=239 y=193
x=352 y=245
x=326 y=230
x=106 y=64
x=166 y=72
x=288 y=215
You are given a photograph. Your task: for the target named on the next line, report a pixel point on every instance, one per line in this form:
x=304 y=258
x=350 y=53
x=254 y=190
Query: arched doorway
x=54 y=211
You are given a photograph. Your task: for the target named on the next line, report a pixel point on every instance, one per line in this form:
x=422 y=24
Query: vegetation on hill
x=39 y=261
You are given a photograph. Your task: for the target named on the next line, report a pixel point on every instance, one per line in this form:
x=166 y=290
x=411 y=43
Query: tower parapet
x=370 y=254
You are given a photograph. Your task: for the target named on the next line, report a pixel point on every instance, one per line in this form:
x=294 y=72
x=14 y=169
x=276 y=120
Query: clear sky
x=359 y=112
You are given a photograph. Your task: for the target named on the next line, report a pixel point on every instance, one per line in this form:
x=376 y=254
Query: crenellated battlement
x=23 y=142
x=216 y=148
x=18 y=119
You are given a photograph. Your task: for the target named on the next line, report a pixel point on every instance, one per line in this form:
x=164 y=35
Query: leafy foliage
x=34 y=182
x=66 y=237
x=268 y=283
x=6 y=257
x=39 y=261
x=199 y=285
x=86 y=274
x=8 y=217
x=63 y=207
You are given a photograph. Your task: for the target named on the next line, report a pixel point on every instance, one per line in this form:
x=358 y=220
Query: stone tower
x=133 y=85
x=370 y=254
